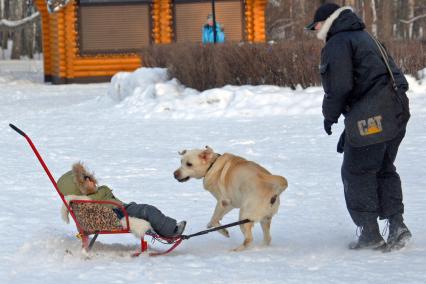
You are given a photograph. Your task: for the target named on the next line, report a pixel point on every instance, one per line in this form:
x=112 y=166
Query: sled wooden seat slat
x=93 y=218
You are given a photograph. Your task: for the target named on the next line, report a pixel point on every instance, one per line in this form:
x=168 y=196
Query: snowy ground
x=129 y=133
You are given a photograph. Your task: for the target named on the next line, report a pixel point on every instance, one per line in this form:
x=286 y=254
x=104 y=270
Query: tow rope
x=186 y=237
x=177 y=241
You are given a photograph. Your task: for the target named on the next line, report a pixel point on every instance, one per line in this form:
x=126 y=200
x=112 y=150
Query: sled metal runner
x=84 y=236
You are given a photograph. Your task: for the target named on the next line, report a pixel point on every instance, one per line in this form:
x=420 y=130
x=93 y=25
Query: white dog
x=235 y=183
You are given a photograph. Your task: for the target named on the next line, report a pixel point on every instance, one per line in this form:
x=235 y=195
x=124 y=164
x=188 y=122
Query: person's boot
x=180 y=227
x=399 y=234
x=370 y=238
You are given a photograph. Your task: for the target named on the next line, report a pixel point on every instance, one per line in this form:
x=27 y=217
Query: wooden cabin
x=91 y=40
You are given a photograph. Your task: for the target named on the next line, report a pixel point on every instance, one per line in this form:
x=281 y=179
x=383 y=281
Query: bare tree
x=20 y=23
x=411 y=4
x=16 y=14
x=374 y=22
x=4 y=14
x=388 y=19
x=287 y=18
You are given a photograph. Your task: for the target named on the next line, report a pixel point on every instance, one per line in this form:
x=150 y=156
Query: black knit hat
x=322 y=13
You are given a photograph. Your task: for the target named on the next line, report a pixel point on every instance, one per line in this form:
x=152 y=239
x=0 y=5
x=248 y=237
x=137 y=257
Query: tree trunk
x=385 y=30
x=28 y=34
x=411 y=5
x=368 y=15
x=374 y=15
x=299 y=17
x=38 y=41
x=4 y=15
x=350 y=3
x=16 y=14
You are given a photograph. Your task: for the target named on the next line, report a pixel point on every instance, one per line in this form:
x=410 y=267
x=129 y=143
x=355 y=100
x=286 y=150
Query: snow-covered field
x=129 y=133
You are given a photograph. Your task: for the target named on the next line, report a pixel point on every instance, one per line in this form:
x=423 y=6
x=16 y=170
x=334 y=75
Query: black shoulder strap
x=386 y=60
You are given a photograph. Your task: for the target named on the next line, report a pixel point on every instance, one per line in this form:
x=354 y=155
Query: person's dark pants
x=163 y=225
x=372 y=185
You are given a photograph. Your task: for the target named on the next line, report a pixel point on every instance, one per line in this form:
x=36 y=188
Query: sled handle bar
x=17 y=129
x=46 y=169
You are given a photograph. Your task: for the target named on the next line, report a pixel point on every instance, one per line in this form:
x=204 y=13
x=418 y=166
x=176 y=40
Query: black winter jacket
x=352 y=66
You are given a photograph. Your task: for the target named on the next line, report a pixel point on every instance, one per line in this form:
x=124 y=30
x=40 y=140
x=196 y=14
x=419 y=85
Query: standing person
x=352 y=68
x=208 y=32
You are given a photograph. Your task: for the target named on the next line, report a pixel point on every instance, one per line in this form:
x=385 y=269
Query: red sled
x=108 y=225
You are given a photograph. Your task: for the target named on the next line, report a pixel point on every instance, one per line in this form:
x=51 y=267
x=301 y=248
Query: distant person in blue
x=208 y=33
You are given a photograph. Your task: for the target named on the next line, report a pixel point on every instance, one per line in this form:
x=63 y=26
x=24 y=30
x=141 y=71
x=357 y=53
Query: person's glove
x=327 y=126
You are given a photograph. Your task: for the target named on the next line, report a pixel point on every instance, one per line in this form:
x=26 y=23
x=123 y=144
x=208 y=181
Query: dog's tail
x=278 y=184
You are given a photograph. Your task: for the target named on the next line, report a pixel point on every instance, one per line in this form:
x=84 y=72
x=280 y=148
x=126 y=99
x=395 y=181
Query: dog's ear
x=207 y=154
x=209 y=148
x=182 y=152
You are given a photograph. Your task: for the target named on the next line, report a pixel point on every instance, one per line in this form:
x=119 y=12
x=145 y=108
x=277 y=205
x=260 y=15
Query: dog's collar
x=211 y=165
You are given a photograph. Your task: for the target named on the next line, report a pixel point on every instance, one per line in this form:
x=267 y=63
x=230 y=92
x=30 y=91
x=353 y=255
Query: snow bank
x=149 y=91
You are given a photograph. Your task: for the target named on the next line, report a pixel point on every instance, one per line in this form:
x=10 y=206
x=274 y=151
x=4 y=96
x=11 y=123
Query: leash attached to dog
x=186 y=237
x=176 y=241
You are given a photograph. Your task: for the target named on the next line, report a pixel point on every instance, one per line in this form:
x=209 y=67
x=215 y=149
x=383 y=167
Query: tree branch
x=20 y=24
x=280 y=24
x=409 y=21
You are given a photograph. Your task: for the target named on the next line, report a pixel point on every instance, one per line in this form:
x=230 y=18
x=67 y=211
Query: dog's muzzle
x=177 y=176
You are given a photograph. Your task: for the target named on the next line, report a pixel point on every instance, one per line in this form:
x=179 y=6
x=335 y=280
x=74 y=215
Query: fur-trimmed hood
x=80 y=173
x=339 y=21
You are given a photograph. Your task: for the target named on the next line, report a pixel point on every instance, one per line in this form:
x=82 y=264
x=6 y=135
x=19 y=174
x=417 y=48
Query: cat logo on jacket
x=370 y=126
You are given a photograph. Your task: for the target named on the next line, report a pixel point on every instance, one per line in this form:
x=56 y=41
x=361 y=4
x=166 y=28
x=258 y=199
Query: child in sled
x=80 y=184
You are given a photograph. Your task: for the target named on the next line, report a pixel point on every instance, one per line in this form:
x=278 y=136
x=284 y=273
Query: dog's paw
x=239 y=248
x=224 y=232
x=266 y=241
x=213 y=224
